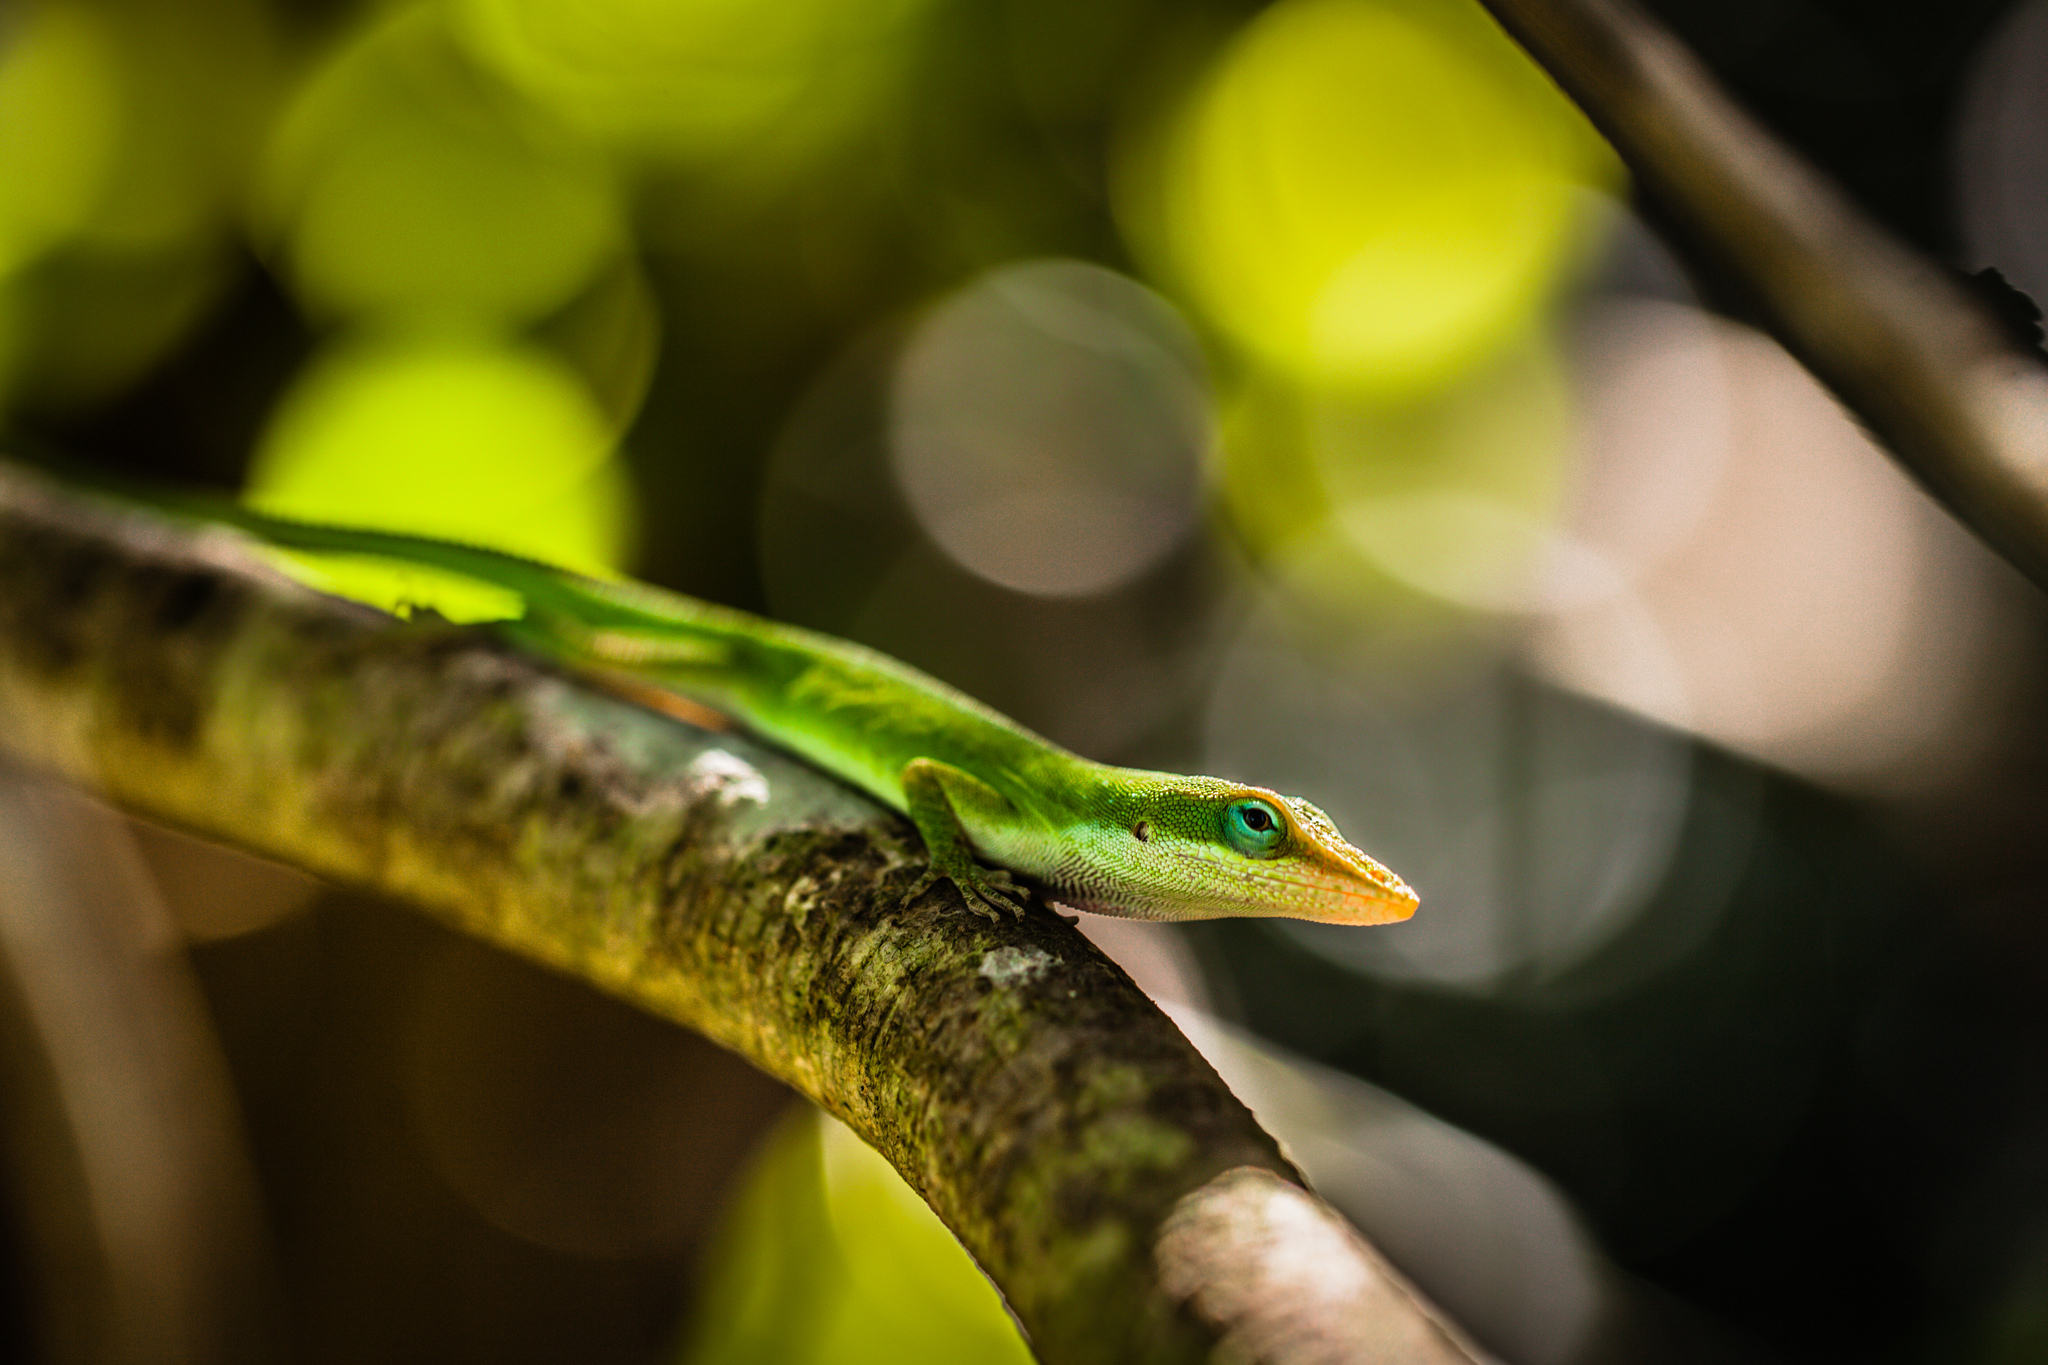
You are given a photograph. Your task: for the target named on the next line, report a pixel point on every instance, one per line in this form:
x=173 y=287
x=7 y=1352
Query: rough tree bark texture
x=1961 y=405
x=1126 y=1204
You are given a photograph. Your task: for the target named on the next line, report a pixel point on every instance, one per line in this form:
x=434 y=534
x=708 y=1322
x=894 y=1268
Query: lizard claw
x=986 y=892
x=997 y=887
x=979 y=904
x=932 y=876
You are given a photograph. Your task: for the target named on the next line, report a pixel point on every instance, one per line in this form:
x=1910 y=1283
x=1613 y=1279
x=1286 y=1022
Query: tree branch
x=1116 y=1192
x=1962 y=406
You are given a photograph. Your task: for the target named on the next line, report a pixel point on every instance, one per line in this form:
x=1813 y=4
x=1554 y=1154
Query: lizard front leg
x=933 y=793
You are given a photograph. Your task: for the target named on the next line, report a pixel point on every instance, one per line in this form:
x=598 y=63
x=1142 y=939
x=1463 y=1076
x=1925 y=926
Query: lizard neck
x=1071 y=829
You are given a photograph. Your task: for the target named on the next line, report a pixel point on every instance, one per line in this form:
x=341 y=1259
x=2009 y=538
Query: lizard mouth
x=1347 y=897
x=1385 y=899
x=1382 y=905
x=1327 y=888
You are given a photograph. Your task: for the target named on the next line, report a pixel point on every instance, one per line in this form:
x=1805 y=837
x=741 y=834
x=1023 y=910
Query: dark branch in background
x=142 y=1215
x=1123 y=1200
x=1936 y=377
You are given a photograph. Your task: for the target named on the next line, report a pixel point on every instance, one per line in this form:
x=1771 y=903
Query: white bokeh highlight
x=1049 y=427
x=1779 y=586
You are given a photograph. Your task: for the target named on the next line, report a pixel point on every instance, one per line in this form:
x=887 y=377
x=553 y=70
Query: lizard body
x=977 y=785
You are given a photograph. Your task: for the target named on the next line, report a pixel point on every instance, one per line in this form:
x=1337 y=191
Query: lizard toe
x=978 y=902
x=917 y=890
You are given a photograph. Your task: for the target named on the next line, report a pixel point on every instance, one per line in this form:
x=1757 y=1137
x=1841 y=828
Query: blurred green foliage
x=828 y=1256
x=1362 y=200
x=402 y=183
x=58 y=110
x=1369 y=196
x=701 y=79
x=125 y=132
x=1394 y=511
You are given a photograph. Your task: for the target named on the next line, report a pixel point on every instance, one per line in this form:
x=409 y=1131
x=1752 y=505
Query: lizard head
x=1201 y=848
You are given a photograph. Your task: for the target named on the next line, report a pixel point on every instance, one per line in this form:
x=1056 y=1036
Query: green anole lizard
x=1117 y=841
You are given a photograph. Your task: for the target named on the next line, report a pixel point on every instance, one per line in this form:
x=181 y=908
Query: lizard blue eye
x=1254 y=828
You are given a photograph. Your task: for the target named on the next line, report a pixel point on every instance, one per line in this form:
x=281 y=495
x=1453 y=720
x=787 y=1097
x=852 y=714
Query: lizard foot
x=987 y=891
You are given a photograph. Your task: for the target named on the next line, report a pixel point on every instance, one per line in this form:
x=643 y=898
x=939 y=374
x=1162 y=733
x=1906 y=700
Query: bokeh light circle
x=475 y=440
x=1372 y=194
x=60 y=111
x=1049 y=427
x=401 y=182
x=689 y=78
x=1790 y=594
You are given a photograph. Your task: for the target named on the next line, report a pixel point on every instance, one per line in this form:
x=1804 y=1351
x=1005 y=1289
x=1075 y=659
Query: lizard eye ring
x=1254 y=828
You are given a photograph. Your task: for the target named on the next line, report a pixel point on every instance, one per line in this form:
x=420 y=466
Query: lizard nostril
x=1143 y=829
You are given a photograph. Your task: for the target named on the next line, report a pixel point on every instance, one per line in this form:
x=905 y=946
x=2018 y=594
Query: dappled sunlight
x=1430 y=522
x=198 y=83
x=841 y=549
x=1656 y=428
x=1473 y=550
x=1453 y=496
x=123 y=136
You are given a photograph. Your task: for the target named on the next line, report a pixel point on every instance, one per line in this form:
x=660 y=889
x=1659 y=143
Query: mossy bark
x=1042 y=1105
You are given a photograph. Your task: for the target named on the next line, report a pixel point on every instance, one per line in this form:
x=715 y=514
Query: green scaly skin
x=977 y=785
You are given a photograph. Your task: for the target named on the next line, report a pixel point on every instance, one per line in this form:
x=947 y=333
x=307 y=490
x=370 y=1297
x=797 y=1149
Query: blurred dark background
x=1295 y=393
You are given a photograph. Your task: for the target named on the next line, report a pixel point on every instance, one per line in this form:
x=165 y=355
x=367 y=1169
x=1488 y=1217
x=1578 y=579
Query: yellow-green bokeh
x=198 y=81
x=1369 y=195
x=403 y=182
x=829 y=1258
x=94 y=320
x=125 y=128
x=611 y=334
x=474 y=440
x=1408 y=514
x=695 y=78
x=60 y=115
